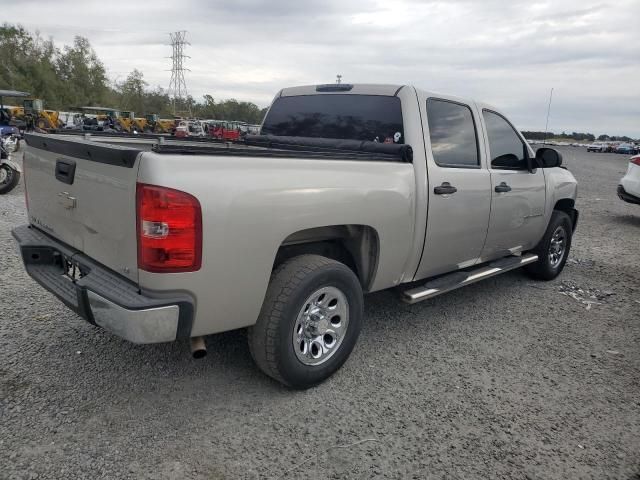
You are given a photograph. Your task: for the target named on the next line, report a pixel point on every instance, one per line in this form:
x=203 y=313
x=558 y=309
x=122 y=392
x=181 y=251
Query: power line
x=178 y=85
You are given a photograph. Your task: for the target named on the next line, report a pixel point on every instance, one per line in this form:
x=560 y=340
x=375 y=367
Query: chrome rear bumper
x=101 y=296
x=151 y=325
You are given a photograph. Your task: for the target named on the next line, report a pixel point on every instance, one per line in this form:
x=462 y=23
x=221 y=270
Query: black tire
x=291 y=285
x=11 y=179
x=546 y=268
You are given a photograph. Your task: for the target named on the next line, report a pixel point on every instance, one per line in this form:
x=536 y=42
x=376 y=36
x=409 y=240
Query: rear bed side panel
x=250 y=205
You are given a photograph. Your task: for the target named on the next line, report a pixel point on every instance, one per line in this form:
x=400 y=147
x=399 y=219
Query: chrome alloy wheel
x=321 y=326
x=557 y=246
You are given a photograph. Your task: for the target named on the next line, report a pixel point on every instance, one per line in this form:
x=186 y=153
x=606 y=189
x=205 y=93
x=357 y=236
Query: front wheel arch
x=547 y=267
x=567 y=205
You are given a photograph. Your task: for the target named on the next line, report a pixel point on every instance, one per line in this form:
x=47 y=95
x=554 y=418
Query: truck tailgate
x=83 y=193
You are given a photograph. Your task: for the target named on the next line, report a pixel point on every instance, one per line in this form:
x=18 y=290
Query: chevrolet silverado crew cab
x=348 y=189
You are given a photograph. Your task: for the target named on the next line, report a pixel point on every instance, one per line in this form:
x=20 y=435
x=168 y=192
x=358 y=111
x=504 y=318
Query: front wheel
x=309 y=322
x=9 y=178
x=553 y=249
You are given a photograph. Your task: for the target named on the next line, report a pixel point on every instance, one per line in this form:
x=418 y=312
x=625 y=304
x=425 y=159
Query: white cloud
x=509 y=53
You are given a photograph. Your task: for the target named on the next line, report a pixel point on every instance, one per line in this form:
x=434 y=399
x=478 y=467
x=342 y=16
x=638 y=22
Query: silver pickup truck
x=348 y=189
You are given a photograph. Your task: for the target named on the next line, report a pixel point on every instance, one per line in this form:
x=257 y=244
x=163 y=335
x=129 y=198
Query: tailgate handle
x=65 y=171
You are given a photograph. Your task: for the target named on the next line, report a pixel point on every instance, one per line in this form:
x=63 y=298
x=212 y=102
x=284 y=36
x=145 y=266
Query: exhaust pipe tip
x=198 y=347
x=198 y=354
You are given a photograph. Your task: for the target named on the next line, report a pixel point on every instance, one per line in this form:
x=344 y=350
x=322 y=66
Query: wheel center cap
x=318 y=326
x=322 y=326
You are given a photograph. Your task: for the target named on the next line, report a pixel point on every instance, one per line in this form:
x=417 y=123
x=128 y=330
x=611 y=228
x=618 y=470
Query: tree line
x=578 y=136
x=546 y=135
x=73 y=76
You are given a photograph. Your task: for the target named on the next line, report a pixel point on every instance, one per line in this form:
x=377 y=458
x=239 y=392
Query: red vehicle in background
x=223 y=130
x=182 y=130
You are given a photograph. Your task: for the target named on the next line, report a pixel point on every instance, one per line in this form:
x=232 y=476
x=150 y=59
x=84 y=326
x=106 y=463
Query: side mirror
x=548 y=158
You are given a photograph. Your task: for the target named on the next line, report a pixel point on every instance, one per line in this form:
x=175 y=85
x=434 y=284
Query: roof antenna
x=546 y=125
x=338 y=79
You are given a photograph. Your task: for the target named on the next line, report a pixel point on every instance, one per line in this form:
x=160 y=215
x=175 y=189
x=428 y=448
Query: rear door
x=459 y=187
x=83 y=193
x=517 y=194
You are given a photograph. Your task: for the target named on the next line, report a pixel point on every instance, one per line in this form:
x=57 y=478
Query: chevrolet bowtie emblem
x=66 y=200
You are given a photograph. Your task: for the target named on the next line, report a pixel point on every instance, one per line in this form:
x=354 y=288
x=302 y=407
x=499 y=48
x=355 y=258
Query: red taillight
x=636 y=160
x=169 y=230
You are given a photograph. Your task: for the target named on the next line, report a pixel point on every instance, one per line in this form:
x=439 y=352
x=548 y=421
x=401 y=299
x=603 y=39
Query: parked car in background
x=629 y=188
x=597 y=147
x=196 y=129
x=182 y=130
x=253 y=129
x=223 y=130
x=626 y=148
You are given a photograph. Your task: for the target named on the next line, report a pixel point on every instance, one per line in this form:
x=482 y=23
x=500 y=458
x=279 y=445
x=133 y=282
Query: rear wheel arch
x=357 y=246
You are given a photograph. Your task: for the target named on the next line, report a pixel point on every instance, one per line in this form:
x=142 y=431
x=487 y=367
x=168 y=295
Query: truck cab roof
x=389 y=90
x=342 y=88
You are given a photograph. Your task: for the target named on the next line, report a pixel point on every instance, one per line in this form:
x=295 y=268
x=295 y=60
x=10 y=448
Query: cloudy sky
x=508 y=53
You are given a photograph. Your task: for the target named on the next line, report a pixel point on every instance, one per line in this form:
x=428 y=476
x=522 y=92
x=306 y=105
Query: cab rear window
x=344 y=116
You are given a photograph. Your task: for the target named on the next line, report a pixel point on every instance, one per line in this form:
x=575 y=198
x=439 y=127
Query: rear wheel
x=9 y=178
x=309 y=322
x=553 y=249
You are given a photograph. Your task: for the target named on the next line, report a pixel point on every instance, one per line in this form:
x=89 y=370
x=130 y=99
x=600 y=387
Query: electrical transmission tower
x=178 y=85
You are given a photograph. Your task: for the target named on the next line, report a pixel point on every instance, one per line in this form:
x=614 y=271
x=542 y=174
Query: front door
x=459 y=189
x=518 y=195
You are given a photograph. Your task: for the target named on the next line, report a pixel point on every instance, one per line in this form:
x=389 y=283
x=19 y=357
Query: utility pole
x=546 y=126
x=178 y=85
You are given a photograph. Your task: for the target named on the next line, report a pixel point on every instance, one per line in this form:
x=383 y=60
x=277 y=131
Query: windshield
x=349 y=117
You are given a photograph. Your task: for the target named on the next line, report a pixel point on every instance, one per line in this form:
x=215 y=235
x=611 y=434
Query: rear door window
x=452 y=131
x=374 y=118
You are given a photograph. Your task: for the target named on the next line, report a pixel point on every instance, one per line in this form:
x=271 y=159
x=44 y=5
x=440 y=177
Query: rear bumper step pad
x=101 y=296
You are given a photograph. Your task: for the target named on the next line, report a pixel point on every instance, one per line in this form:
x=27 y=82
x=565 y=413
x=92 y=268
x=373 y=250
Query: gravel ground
x=503 y=379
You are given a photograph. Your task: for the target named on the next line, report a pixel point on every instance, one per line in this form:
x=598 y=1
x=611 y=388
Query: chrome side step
x=455 y=280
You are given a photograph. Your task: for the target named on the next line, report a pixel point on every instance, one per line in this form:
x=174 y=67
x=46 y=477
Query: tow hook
x=198 y=347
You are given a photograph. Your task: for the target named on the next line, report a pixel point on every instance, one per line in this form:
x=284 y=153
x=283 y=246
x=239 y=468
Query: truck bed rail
x=123 y=149
x=298 y=147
